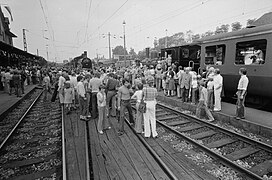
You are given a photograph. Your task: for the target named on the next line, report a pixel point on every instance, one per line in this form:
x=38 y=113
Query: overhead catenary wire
x=102 y=24
x=88 y=18
x=48 y=26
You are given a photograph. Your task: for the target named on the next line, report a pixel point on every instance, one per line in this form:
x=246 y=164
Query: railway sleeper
x=242 y=153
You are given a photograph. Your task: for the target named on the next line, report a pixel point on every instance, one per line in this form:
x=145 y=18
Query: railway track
x=251 y=158
x=34 y=148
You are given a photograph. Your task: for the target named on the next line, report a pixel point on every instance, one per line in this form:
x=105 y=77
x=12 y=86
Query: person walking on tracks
x=150 y=93
x=202 y=104
x=94 y=84
x=103 y=122
x=124 y=103
x=138 y=95
x=82 y=98
x=61 y=88
x=241 y=94
x=111 y=88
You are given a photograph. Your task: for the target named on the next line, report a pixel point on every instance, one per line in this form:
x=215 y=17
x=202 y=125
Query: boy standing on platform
x=241 y=94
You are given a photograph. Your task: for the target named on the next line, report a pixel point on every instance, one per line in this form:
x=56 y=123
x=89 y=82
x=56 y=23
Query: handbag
x=142 y=105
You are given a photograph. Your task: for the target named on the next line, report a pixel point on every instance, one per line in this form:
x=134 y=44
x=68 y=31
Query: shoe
x=100 y=132
x=109 y=128
x=89 y=116
x=120 y=133
x=155 y=137
x=210 y=120
x=238 y=118
x=216 y=110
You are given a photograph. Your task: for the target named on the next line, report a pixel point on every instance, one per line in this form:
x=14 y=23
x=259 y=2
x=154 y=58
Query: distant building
x=5 y=34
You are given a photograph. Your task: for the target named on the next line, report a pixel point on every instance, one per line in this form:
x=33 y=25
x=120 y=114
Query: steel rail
x=64 y=169
x=241 y=137
x=215 y=155
x=165 y=168
x=20 y=120
x=223 y=159
x=88 y=174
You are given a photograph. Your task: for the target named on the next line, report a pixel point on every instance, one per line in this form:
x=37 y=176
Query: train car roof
x=258 y=30
x=185 y=45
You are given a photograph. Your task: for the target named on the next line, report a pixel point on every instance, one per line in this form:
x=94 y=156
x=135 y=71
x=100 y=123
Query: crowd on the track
x=108 y=91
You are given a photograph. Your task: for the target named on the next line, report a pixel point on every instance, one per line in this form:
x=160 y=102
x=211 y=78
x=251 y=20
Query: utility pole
x=124 y=24
x=24 y=40
x=47 y=52
x=37 y=52
x=166 y=38
x=109 y=46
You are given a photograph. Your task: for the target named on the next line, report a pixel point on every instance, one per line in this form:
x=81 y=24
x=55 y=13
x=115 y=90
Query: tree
x=208 y=33
x=250 y=21
x=195 y=37
x=119 y=50
x=132 y=53
x=236 y=26
x=222 y=29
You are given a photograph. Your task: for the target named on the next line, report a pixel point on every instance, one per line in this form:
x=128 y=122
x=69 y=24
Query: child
x=68 y=96
x=139 y=116
x=101 y=103
x=203 y=95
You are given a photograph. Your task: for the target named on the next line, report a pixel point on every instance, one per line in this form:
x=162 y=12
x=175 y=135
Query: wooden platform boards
x=75 y=131
x=121 y=157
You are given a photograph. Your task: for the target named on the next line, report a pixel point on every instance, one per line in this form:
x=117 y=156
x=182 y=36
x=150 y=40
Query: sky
x=66 y=28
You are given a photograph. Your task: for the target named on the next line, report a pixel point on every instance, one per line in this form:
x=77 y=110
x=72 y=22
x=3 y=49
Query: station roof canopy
x=238 y=34
x=13 y=50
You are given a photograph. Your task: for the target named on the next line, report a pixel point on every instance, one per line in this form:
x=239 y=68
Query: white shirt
x=138 y=95
x=243 y=83
x=217 y=81
x=73 y=81
x=101 y=97
x=61 y=82
x=80 y=89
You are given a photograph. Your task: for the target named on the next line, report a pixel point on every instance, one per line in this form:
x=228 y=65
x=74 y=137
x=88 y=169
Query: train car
x=186 y=55
x=249 y=48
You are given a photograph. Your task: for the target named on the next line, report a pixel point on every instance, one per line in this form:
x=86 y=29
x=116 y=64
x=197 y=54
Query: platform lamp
x=124 y=28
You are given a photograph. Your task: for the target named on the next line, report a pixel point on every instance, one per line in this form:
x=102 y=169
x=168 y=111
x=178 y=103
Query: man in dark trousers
x=124 y=103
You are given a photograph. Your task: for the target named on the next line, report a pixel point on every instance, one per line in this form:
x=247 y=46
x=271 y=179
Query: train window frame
x=259 y=53
x=215 y=60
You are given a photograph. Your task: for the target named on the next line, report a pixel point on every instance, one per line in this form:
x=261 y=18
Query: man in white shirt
x=217 y=85
x=61 y=87
x=94 y=84
x=241 y=94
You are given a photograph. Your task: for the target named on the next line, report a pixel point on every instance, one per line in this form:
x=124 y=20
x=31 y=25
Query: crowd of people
x=108 y=91
x=14 y=79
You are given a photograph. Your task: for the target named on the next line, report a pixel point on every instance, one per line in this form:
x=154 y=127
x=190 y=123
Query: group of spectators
x=14 y=79
x=103 y=92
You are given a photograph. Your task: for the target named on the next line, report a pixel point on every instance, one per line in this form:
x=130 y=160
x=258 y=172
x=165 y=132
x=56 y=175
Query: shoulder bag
x=142 y=105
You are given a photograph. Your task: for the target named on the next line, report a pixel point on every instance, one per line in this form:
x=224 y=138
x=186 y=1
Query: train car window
x=185 y=53
x=251 y=52
x=215 y=55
